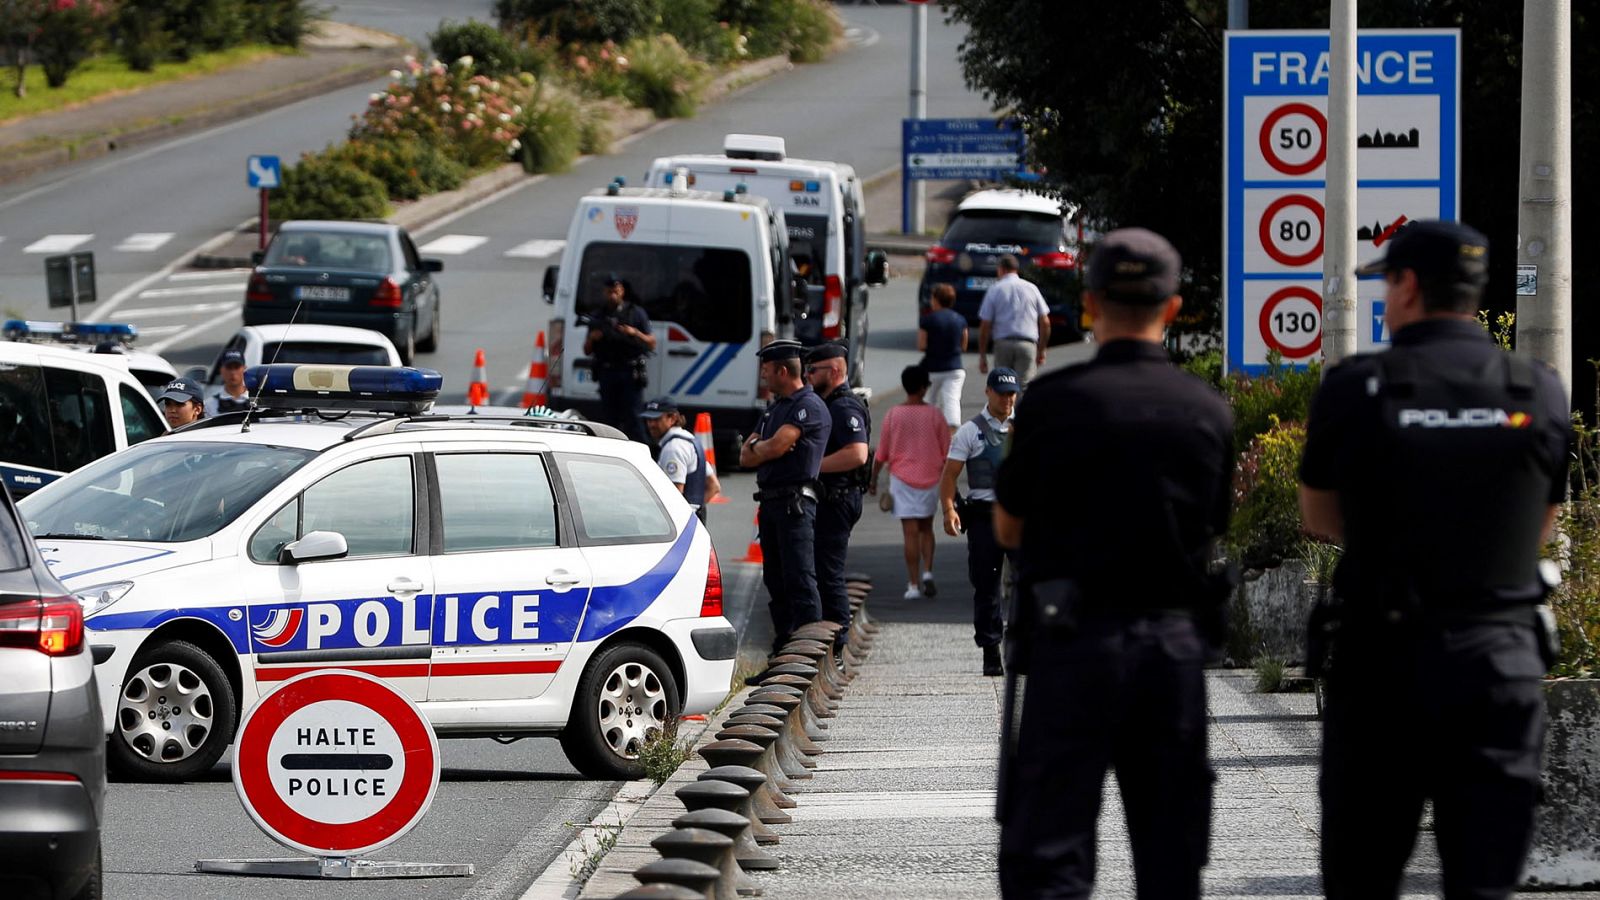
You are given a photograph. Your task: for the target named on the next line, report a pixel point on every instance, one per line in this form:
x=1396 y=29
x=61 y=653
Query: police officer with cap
x=1438 y=465
x=182 y=401
x=844 y=473
x=786 y=452
x=1115 y=489
x=681 y=456
x=230 y=395
x=618 y=343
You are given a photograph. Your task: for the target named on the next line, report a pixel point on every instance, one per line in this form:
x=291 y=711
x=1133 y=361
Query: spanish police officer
x=844 y=472
x=680 y=456
x=230 y=395
x=1115 y=488
x=978 y=446
x=1438 y=465
x=786 y=452
x=619 y=341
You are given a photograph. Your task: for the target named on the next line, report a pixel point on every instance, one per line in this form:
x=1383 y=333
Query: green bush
x=581 y=21
x=1576 y=600
x=408 y=169
x=1282 y=394
x=280 y=22
x=493 y=54
x=663 y=77
x=768 y=23
x=551 y=132
x=694 y=23
x=196 y=26
x=65 y=34
x=141 y=40
x=812 y=29
x=324 y=186
x=594 y=132
x=1265 y=527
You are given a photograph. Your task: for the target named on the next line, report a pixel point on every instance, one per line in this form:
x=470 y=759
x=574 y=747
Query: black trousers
x=984 y=559
x=1127 y=695
x=837 y=515
x=1455 y=713
x=621 y=402
x=788 y=531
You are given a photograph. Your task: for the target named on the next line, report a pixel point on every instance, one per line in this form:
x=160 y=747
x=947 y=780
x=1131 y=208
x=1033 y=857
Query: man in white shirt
x=1014 y=315
x=978 y=446
x=681 y=457
x=230 y=395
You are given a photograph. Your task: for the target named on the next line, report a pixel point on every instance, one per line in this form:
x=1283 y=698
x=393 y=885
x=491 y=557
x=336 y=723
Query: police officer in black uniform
x=619 y=341
x=1438 y=465
x=1115 y=488
x=844 y=473
x=786 y=452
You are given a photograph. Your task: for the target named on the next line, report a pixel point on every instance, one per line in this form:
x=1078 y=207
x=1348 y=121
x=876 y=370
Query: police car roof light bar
x=68 y=332
x=398 y=389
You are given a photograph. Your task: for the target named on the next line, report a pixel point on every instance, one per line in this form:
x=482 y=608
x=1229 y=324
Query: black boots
x=991 y=660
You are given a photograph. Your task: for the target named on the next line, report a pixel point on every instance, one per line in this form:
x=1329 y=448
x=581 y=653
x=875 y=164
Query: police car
x=515 y=576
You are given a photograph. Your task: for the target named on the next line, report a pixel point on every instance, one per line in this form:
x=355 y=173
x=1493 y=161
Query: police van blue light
x=68 y=332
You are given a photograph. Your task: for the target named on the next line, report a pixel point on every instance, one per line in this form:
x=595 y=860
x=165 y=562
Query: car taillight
x=388 y=294
x=832 y=307
x=53 y=626
x=256 y=291
x=940 y=255
x=555 y=347
x=712 y=604
x=1056 y=260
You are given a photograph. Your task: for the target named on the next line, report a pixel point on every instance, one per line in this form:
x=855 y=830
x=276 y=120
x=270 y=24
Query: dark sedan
x=358 y=274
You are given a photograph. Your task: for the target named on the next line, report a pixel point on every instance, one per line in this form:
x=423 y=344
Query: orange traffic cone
x=753 y=553
x=478 y=390
x=533 y=392
x=702 y=436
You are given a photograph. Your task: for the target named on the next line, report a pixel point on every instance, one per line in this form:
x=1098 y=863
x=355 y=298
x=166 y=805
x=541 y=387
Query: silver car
x=52 y=743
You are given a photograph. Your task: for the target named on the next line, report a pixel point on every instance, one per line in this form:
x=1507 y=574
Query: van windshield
x=704 y=290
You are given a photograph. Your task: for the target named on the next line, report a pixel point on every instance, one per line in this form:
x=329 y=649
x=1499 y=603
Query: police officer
x=680 y=455
x=786 y=452
x=182 y=401
x=1115 y=488
x=844 y=473
x=619 y=341
x=230 y=395
x=1438 y=466
x=978 y=446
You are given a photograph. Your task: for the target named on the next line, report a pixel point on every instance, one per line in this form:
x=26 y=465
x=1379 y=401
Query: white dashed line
x=58 y=243
x=537 y=249
x=195 y=290
x=144 y=242
x=453 y=244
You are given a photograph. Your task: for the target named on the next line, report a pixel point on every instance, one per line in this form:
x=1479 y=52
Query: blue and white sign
x=1274 y=150
x=264 y=172
x=961 y=148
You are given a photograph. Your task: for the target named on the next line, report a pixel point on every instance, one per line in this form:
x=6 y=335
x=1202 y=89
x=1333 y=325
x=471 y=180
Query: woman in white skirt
x=942 y=338
x=912 y=443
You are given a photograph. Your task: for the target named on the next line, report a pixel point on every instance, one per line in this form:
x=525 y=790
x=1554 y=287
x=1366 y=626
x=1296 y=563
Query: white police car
x=515 y=576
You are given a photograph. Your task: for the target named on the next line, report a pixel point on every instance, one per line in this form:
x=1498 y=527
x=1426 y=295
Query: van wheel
x=625 y=699
x=430 y=344
x=175 y=715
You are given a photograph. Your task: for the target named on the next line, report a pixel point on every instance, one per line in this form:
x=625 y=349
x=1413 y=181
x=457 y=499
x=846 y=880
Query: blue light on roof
x=68 y=332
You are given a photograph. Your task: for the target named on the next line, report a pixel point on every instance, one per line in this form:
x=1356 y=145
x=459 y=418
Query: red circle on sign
x=1278 y=296
x=1271 y=155
x=1277 y=253
x=289 y=827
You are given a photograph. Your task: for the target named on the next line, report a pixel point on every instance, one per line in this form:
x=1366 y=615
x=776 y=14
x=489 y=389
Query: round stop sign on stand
x=1294 y=138
x=336 y=763
x=1291 y=230
x=1291 y=322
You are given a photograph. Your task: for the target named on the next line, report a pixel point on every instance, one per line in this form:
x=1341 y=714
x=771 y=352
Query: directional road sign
x=263 y=172
x=1275 y=151
x=961 y=148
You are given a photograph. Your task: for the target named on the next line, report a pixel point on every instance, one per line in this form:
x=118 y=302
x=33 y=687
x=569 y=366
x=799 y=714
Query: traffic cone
x=533 y=392
x=702 y=435
x=753 y=553
x=478 y=390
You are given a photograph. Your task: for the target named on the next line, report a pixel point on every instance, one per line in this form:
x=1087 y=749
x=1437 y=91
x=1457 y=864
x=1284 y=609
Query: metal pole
x=1544 y=217
x=1339 y=222
x=1238 y=14
x=919 y=107
x=72 y=281
x=261 y=241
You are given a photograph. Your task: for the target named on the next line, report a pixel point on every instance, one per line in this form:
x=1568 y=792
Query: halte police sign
x=1275 y=149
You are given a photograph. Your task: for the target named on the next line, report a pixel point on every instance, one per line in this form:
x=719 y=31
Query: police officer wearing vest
x=1438 y=466
x=618 y=343
x=680 y=456
x=786 y=452
x=978 y=446
x=1116 y=486
x=843 y=475
x=230 y=395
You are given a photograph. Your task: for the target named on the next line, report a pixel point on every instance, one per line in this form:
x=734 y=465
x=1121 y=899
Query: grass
x=663 y=753
x=1270 y=672
x=107 y=74
x=594 y=847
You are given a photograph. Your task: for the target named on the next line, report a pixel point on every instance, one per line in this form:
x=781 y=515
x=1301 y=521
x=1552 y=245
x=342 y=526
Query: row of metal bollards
x=764 y=748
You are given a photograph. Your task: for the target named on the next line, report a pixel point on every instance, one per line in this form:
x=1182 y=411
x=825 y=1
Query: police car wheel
x=175 y=715
x=626 y=698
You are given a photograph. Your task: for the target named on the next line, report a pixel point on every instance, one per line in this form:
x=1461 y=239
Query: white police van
x=712 y=272
x=515 y=576
x=825 y=215
x=62 y=407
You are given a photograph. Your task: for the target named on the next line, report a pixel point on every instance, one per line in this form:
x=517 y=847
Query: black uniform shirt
x=806 y=411
x=1121 y=469
x=850 y=425
x=614 y=350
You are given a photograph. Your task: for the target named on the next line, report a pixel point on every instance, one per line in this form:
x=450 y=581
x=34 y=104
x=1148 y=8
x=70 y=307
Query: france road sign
x=263 y=172
x=335 y=763
x=1275 y=155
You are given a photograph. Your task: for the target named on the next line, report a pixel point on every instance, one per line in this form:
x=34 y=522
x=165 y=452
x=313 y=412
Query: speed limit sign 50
x=1294 y=138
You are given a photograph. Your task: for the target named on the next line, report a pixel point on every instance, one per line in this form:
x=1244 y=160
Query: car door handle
x=683 y=351
x=405 y=586
x=562 y=578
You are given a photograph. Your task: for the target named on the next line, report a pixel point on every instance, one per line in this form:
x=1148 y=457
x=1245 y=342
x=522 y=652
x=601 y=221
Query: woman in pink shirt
x=912 y=442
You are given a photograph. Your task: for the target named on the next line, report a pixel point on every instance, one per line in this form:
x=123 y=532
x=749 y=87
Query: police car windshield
x=984 y=226
x=161 y=491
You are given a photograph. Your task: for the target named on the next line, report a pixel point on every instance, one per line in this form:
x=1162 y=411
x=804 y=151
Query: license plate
x=319 y=292
x=979 y=283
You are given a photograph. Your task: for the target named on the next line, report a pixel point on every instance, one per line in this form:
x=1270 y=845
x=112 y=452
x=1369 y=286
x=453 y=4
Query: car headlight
x=96 y=598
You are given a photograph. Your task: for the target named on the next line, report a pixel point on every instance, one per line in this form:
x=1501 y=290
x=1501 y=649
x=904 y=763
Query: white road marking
x=158 y=330
x=177 y=310
x=121 y=296
x=453 y=244
x=195 y=290
x=207 y=273
x=537 y=249
x=58 y=243
x=214 y=321
x=144 y=241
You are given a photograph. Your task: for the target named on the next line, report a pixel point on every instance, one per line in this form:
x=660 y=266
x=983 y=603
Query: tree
x=19 y=26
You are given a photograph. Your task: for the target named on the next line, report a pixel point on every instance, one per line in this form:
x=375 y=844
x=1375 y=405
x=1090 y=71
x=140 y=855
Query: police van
x=825 y=214
x=515 y=576
x=712 y=271
x=62 y=407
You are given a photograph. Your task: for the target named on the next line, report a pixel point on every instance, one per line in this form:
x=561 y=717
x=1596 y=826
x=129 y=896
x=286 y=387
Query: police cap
x=182 y=390
x=1444 y=253
x=780 y=350
x=1004 y=381
x=826 y=351
x=232 y=358
x=660 y=406
x=611 y=279
x=1134 y=265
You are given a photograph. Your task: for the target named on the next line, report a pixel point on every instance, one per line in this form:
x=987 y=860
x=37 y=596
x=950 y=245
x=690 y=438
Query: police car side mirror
x=314 y=546
x=551 y=273
x=257 y=256
x=877 y=268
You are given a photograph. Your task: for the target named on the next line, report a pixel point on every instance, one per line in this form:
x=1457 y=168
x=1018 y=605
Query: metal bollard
x=737 y=753
x=713 y=848
x=660 y=891
x=806 y=722
x=816 y=684
x=796 y=686
x=792 y=730
x=747 y=856
x=755 y=782
x=804 y=743
x=767 y=764
x=823 y=656
x=696 y=876
x=790 y=760
x=711 y=795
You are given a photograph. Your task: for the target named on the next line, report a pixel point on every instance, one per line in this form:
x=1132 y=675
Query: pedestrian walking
x=680 y=455
x=978 y=447
x=182 y=401
x=844 y=475
x=1014 y=315
x=942 y=338
x=1115 y=489
x=1438 y=466
x=618 y=344
x=786 y=452
x=230 y=395
x=913 y=441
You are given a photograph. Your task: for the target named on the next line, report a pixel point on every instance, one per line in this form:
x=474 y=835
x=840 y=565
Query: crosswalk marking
x=194 y=290
x=144 y=241
x=185 y=309
x=453 y=244
x=536 y=249
x=159 y=330
x=58 y=243
x=205 y=274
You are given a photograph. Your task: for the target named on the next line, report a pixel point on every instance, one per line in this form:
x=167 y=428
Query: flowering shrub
x=324 y=186
x=66 y=32
x=408 y=169
x=1266 y=497
x=601 y=69
x=467 y=116
x=551 y=126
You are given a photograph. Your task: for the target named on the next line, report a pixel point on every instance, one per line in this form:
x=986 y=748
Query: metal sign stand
x=336 y=867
